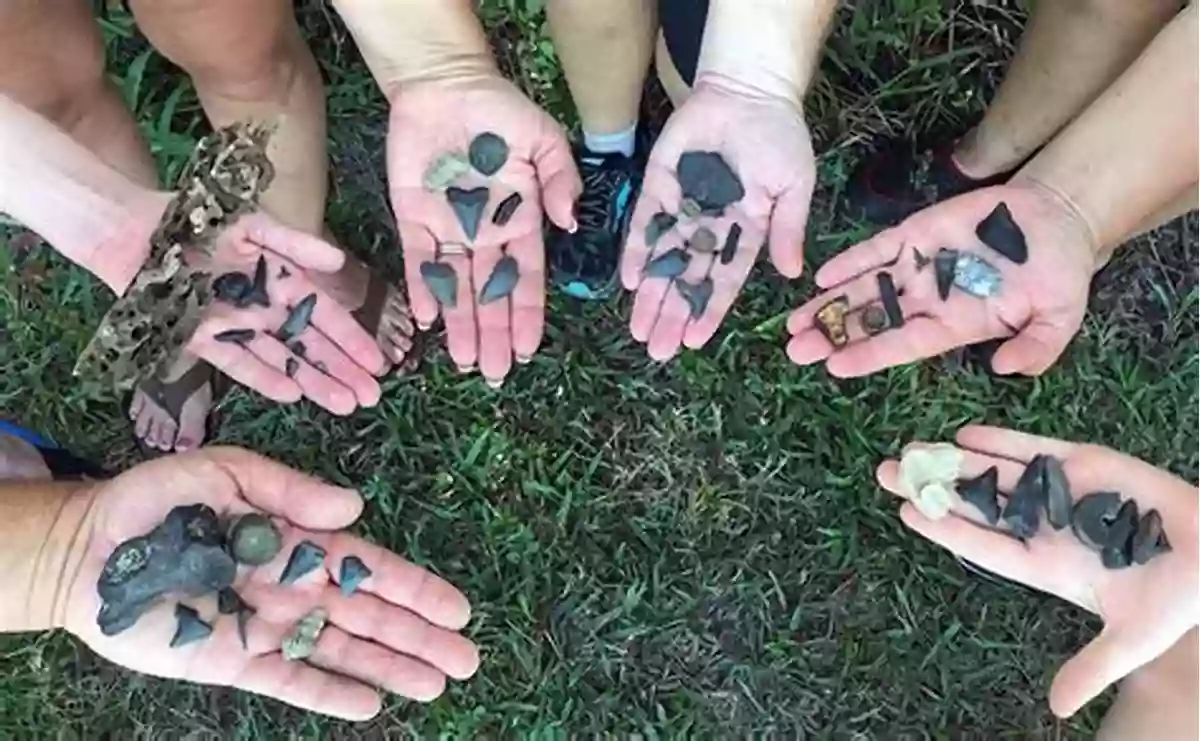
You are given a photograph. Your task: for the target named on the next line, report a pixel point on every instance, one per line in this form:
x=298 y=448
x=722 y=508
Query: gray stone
x=306 y=557
x=977 y=276
x=298 y=318
x=981 y=493
x=670 y=264
x=442 y=282
x=351 y=574
x=501 y=282
x=707 y=179
x=487 y=153
x=189 y=628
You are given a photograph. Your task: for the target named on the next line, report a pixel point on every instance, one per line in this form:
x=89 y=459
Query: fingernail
x=574 y=227
x=523 y=359
x=466 y=368
x=495 y=382
x=423 y=326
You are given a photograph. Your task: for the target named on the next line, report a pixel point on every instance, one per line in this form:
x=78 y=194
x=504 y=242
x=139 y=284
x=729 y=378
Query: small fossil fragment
x=873 y=320
x=919 y=259
x=229 y=601
x=506 y=208
x=703 y=241
x=189 y=628
x=660 y=223
x=298 y=348
x=283 y=272
x=890 y=299
x=1057 y=493
x=670 y=264
x=707 y=178
x=468 y=208
x=697 y=296
x=980 y=492
x=487 y=153
x=1123 y=528
x=831 y=320
x=183 y=554
x=1150 y=540
x=233 y=288
x=258 y=289
x=442 y=282
x=351 y=574
x=689 y=208
x=501 y=282
x=235 y=336
x=1000 y=231
x=243 y=617
x=302 y=640
x=944 y=266
x=321 y=367
x=1028 y=498
x=306 y=557
x=927 y=475
x=729 y=249
x=1092 y=516
x=445 y=170
x=254 y=539
x=297 y=319
x=290 y=367
x=976 y=276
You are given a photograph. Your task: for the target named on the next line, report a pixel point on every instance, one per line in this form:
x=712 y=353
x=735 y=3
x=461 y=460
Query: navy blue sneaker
x=584 y=265
x=63 y=464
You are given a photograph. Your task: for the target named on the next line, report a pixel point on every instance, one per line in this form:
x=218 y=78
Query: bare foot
x=21 y=461
x=156 y=426
x=380 y=307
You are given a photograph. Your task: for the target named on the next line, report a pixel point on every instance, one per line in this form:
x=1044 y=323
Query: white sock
x=622 y=141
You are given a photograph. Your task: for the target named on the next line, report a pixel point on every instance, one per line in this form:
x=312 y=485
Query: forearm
x=40 y=526
x=62 y=191
x=407 y=41
x=765 y=46
x=1134 y=149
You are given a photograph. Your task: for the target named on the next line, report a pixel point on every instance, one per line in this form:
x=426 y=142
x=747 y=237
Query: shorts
x=682 y=23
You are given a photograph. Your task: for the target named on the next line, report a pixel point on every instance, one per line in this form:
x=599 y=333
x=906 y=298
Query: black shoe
x=899 y=180
x=584 y=264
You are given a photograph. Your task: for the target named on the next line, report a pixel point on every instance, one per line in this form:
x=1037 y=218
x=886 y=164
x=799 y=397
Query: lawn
x=695 y=549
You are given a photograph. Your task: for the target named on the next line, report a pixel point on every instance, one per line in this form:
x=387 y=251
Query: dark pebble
x=351 y=574
x=233 y=288
x=670 y=264
x=235 y=336
x=189 y=628
x=298 y=318
x=831 y=320
x=254 y=539
x=504 y=212
x=707 y=179
x=873 y=320
x=981 y=493
x=442 y=282
x=890 y=299
x=944 y=264
x=468 y=208
x=306 y=557
x=697 y=295
x=703 y=241
x=1000 y=231
x=488 y=152
x=1091 y=517
x=729 y=249
x=501 y=282
x=660 y=223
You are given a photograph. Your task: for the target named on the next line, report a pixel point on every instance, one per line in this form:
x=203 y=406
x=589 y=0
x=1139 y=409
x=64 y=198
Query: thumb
x=558 y=179
x=1033 y=350
x=788 y=220
x=302 y=500
x=302 y=248
x=1102 y=662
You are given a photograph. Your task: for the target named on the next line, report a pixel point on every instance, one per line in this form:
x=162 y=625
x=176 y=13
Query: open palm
x=1040 y=304
x=1146 y=608
x=398 y=632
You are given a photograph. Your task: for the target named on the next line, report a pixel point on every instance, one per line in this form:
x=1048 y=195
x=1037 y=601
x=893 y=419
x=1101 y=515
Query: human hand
x=398 y=631
x=1039 y=304
x=430 y=120
x=766 y=144
x=1146 y=608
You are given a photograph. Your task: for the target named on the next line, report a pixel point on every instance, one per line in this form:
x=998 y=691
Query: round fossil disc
x=254 y=540
x=703 y=241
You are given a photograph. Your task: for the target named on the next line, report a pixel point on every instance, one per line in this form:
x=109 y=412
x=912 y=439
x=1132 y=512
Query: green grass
x=688 y=550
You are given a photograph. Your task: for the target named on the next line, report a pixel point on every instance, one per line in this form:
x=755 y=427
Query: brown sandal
x=370 y=314
x=170 y=396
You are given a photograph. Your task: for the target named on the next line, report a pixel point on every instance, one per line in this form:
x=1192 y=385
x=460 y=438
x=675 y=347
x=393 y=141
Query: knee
x=1121 y=11
x=249 y=67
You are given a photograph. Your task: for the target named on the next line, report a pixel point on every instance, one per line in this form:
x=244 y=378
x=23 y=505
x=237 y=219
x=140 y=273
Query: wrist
x=124 y=242
x=50 y=523
x=444 y=75
x=1071 y=217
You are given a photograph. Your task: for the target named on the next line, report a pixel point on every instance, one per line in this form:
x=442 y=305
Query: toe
x=136 y=404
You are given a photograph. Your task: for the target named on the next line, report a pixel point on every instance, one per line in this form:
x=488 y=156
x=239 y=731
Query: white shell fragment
x=927 y=477
x=976 y=276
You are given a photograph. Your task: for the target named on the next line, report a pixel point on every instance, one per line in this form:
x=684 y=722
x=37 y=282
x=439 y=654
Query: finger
x=302 y=248
x=325 y=391
x=558 y=178
x=354 y=344
x=810 y=345
x=495 y=340
x=675 y=313
x=363 y=388
x=1110 y=657
x=920 y=337
x=303 y=500
x=402 y=583
x=873 y=254
x=244 y=367
x=789 y=217
x=419 y=247
x=859 y=291
x=372 y=619
x=338 y=651
x=1033 y=350
x=995 y=551
x=309 y=688
x=1018 y=446
x=462 y=336
x=528 y=299
x=973 y=464
x=660 y=193
x=727 y=284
